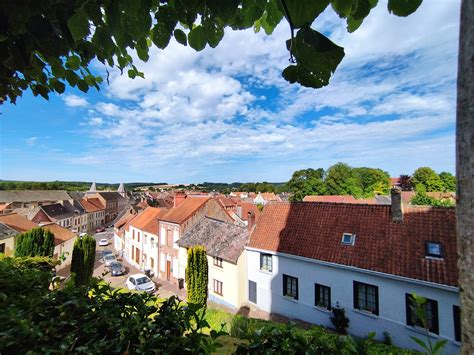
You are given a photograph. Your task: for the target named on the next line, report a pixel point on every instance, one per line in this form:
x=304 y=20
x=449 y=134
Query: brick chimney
x=179 y=197
x=396 y=210
x=250 y=220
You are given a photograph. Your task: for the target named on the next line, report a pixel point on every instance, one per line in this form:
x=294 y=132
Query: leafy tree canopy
x=46 y=44
x=449 y=181
x=428 y=178
x=306 y=182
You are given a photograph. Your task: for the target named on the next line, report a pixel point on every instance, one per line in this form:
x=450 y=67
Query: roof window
x=434 y=249
x=348 y=239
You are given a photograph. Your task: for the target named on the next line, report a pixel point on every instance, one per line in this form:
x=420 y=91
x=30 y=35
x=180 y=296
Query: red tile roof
x=329 y=198
x=147 y=220
x=60 y=234
x=184 y=210
x=394 y=181
x=246 y=208
x=270 y=196
x=92 y=205
x=314 y=230
x=17 y=222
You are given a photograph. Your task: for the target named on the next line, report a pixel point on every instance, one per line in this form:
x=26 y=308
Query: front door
x=168 y=270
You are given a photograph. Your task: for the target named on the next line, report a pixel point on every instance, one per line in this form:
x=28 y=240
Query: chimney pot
x=396 y=209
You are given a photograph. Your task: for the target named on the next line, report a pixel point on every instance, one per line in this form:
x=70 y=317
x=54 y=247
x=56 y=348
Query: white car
x=103 y=242
x=140 y=282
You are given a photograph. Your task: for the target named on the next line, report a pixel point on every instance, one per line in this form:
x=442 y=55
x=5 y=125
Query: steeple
x=93 y=189
x=121 y=190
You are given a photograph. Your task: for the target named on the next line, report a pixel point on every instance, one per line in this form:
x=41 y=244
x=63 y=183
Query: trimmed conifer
x=35 y=242
x=197 y=275
x=83 y=259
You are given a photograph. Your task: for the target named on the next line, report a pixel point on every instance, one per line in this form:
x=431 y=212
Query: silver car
x=109 y=259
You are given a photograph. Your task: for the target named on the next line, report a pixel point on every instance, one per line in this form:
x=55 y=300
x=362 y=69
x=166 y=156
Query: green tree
x=372 y=181
x=197 y=276
x=449 y=181
x=428 y=178
x=306 y=182
x=46 y=44
x=342 y=180
x=35 y=242
x=83 y=259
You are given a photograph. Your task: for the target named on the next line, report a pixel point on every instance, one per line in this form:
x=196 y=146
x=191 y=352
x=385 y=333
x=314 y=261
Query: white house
x=141 y=239
x=303 y=259
x=224 y=243
x=265 y=197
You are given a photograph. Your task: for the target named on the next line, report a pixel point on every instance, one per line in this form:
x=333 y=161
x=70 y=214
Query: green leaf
x=213 y=32
x=132 y=74
x=78 y=24
x=302 y=12
x=82 y=85
x=223 y=9
x=290 y=73
x=142 y=49
x=197 y=38
x=317 y=57
x=59 y=87
x=271 y=17
x=353 y=24
x=161 y=35
x=421 y=343
x=180 y=37
x=251 y=11
x=342 y=7
x=73 y=62
x=403 y=8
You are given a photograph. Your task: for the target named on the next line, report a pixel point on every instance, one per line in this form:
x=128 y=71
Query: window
x=138 y=237
x=348 y=239
x=431 y=314
x=218 y=287
x=252 y=291
x=290 y=286
x=217 y=261
x=322 y=296
x=266 y=262
x=434 y=249
x=366 y=297
x=133 y=234
x=169 y=237
x=457 y=323
x=2 y=248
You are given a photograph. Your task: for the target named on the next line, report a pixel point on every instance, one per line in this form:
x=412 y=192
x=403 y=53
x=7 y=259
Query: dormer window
x=434 y=249
x=348 y=239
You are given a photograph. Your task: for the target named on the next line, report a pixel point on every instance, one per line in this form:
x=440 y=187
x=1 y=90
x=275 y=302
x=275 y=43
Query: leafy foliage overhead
x=46 y=44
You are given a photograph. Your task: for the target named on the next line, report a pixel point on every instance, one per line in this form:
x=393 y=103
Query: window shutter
x=355 y=294
x=457 y=323
x=408 y=304
x=252 y=291
x=376 y=300
x=297 y=289
x=284 y=285
x=316 y=294
x=434 y=305
x=329 y=298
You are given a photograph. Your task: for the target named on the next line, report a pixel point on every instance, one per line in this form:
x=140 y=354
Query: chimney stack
x=250 y=220
x=396 y=210
x=179 y=197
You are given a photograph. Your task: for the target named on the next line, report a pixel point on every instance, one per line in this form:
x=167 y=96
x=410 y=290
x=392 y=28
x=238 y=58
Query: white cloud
x=390 y=104
x=75 y=101
x=32 y=141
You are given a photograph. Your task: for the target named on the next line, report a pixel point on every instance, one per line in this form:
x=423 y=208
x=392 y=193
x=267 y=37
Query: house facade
x=95 y=212
x=304 y=259
x=175 y=223
x=141 y=240
x=224 y=243
x=14 y=199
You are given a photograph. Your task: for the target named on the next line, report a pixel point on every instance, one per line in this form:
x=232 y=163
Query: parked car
x=117 y=268
x=109 y=259
x=140 y=282
x=106 y=252
x=100 y=230
x=103 y=242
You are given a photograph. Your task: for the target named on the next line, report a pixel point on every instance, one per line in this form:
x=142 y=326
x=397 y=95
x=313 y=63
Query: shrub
x=35 y=242
x=83 y=259
x=339 y=319
x=197 y=276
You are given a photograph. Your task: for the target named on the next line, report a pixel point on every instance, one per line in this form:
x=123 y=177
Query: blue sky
x=226 y=114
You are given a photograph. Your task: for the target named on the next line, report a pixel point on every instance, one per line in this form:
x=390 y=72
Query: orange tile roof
x=17 y=222
x=314 y=230
x=270 y=196
x=92 y=205
x=147 y=220
x=184 y=210
x=60 y=234
x=246 y=208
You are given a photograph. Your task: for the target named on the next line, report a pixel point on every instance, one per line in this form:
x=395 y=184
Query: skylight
x=348 y=238
x=434 y=249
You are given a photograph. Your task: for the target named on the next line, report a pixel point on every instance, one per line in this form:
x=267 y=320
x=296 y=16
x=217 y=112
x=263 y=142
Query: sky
x=226 y=114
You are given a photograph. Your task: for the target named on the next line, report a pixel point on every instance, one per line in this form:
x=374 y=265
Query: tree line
x=363 y=182
x=66 y=185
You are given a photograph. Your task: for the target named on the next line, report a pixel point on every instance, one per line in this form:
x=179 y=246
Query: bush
x=93 y=319
x=35 y=242
x=339 y=319
x=83 y=259
x=197 y=276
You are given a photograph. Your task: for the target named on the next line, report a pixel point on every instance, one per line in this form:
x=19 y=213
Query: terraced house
x=305 y=258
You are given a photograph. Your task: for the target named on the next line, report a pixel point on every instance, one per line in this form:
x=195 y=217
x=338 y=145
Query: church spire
x=121 y=190
x=93 y=188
